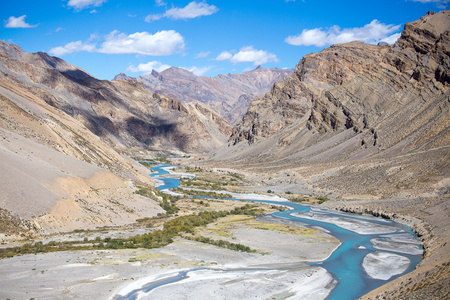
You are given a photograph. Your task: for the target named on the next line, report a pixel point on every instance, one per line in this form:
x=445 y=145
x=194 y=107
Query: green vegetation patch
x=222 y=244
x=308 y=199
x=209 y=180
x=155 y=239
x=206 y=194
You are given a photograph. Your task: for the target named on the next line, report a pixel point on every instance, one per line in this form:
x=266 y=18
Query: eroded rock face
x=357 y=119
x=229 y=94
x=390 y=99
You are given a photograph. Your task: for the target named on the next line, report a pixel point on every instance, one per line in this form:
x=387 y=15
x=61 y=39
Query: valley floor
x=114 y=273
x=275 y=269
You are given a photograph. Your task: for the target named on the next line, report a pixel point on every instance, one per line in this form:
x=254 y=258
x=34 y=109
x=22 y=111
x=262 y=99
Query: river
x=373 y=251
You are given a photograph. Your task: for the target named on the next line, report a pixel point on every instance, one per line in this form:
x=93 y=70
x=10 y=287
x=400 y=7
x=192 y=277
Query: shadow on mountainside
x=146 y=132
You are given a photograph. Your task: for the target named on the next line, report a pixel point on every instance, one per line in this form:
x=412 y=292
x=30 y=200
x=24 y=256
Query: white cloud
x=371 y=33
x=249 y=54
x=18 y=22
x=81 y=4
x=439 y=3
x=160 y=3
x=161 y=43
x=148 y=67
x=225 y=55
x=190 y=11
x=203 y=54
x=308 y=37
x=391 y=39
x=199 y=71
x=151 y=18
x=71 y=48
x=432 y=1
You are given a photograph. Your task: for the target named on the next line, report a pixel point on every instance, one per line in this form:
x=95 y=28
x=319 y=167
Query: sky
x=206 y=37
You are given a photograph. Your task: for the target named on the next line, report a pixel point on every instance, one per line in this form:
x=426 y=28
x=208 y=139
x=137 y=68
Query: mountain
x=122 y=113
x=63 y=134
x=56 y=175
x=229 y=94
x=369 y=127
x=354 y=102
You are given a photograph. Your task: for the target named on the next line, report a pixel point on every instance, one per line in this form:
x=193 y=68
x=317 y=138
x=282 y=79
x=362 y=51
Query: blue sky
x=211 y=37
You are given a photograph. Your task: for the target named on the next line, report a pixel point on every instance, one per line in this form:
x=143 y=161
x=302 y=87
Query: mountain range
x=365 y=125
x=356 y=104
x=230 y=95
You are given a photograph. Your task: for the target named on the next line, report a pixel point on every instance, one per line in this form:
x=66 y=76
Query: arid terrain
x=230 y=95
x=368 y=127
x=356 y=127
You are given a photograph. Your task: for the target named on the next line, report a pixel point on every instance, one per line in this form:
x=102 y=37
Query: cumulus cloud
x=439 y=3
x=202 y=54
x=391 y=39
x=433 y=1
x=248 y=54
x=18 y=22
x=190 y=11
x=225 y=55
x=71 y=48
x=161 y=43
x=199 y=71
x=371 y=33
x=82 y=4
x=148 y=67
x=151 y=18
x=160 y=3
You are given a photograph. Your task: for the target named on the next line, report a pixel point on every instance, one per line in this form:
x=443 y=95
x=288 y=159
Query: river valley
x=372 y=251
x=302 y=252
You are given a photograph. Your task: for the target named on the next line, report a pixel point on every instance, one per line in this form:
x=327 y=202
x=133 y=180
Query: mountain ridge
x=63 y=136
x=368 y=127
x=112 y=109
x=228 y=94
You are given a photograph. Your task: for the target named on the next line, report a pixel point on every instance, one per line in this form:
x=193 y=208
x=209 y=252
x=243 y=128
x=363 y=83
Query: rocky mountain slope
x=368 y=126
x=230 y=95
x=354 y=102
x=62 y=135
x=122 y=113
x=56 y=175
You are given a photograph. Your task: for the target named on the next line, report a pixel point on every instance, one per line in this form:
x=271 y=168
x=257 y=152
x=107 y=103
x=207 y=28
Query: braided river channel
x=373 y=250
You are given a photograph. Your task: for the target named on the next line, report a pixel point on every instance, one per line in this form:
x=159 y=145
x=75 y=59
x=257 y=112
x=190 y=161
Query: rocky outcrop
x=373 y=100
x=229 y=94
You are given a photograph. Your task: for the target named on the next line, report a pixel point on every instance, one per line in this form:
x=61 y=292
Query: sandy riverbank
x=96 y=274
x=106 y=273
